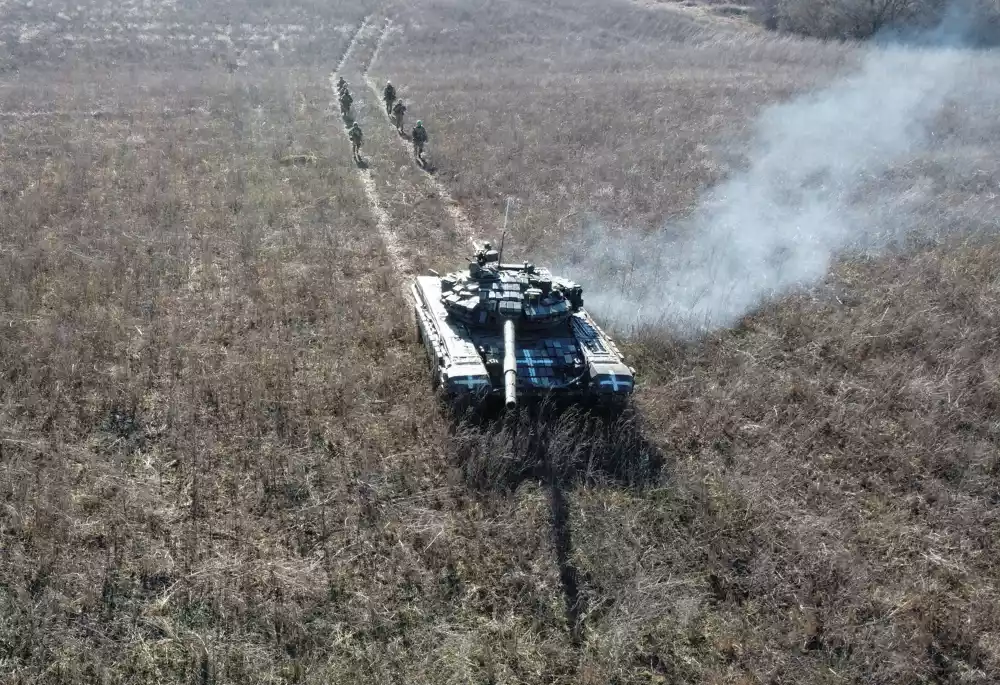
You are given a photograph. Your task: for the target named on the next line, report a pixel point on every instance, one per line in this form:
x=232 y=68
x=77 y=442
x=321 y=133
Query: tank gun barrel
x=509 y=365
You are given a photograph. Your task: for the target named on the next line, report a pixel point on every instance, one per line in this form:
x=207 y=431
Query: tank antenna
x=504 y=234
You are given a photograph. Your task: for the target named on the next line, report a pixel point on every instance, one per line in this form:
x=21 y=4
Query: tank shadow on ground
x=559 y=446
x=568 y=575
x=573 y=443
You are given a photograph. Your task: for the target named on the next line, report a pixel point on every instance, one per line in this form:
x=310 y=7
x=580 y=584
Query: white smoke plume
x=809 y=192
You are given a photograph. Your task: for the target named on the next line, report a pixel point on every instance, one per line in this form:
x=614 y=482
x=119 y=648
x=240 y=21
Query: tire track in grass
x=458 y=217
x=382 y=222
x=420 y=220
x=351 y=46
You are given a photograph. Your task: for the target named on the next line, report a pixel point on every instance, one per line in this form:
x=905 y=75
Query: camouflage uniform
x=341 y=85
x=356 y=138
x=389 y=95
x=397 y=112
x=419 y=138
x=345 y=102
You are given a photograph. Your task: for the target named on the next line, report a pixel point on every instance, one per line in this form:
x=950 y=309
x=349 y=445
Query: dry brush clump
x=553 y=444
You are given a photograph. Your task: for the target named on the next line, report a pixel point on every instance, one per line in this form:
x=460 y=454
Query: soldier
x=345 y=102
x=356 y=138
x=389 y=95
x=398 y=110
x=341 y=85
x=419 y=138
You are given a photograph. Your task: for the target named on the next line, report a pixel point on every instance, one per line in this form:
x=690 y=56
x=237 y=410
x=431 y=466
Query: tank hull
x=574 y=360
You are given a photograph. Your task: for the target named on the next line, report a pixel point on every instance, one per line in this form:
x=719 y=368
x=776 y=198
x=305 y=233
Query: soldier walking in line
x=341 y=85
x=345 y=103
x=419 y=137
x=398 y=110
x=356 y=139
x=389 y=95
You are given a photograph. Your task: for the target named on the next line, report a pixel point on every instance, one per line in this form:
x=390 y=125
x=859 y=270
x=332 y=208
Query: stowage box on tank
x=515 y=331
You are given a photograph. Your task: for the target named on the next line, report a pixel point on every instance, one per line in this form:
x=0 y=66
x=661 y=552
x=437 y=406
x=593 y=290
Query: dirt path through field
x=458 y=217
x=382 y=222
x=417 y=224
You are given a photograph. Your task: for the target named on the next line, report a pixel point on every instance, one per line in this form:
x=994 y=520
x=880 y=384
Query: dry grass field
x=220 y=458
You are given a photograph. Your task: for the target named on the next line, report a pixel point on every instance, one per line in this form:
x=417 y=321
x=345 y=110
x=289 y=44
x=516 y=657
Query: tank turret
x=515 y=330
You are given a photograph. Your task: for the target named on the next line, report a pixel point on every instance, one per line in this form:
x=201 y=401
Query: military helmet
x=420 y=123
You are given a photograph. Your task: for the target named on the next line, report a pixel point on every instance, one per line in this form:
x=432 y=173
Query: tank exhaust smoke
x=815 y=185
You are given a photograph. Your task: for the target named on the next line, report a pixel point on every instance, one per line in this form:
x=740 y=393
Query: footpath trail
x=420 y=225
x=463 y=226
x=382 y=221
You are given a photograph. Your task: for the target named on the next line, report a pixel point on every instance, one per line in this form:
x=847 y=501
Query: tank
x=515 y=332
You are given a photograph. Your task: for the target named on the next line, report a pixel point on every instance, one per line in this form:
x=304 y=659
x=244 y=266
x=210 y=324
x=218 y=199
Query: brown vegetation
x=863 y=19
x=220 y=461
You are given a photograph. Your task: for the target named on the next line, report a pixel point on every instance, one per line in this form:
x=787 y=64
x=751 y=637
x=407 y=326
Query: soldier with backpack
x=345 y=103
x=398 y=110
x=419 y=136
x=389 y=95
x=356 y=139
